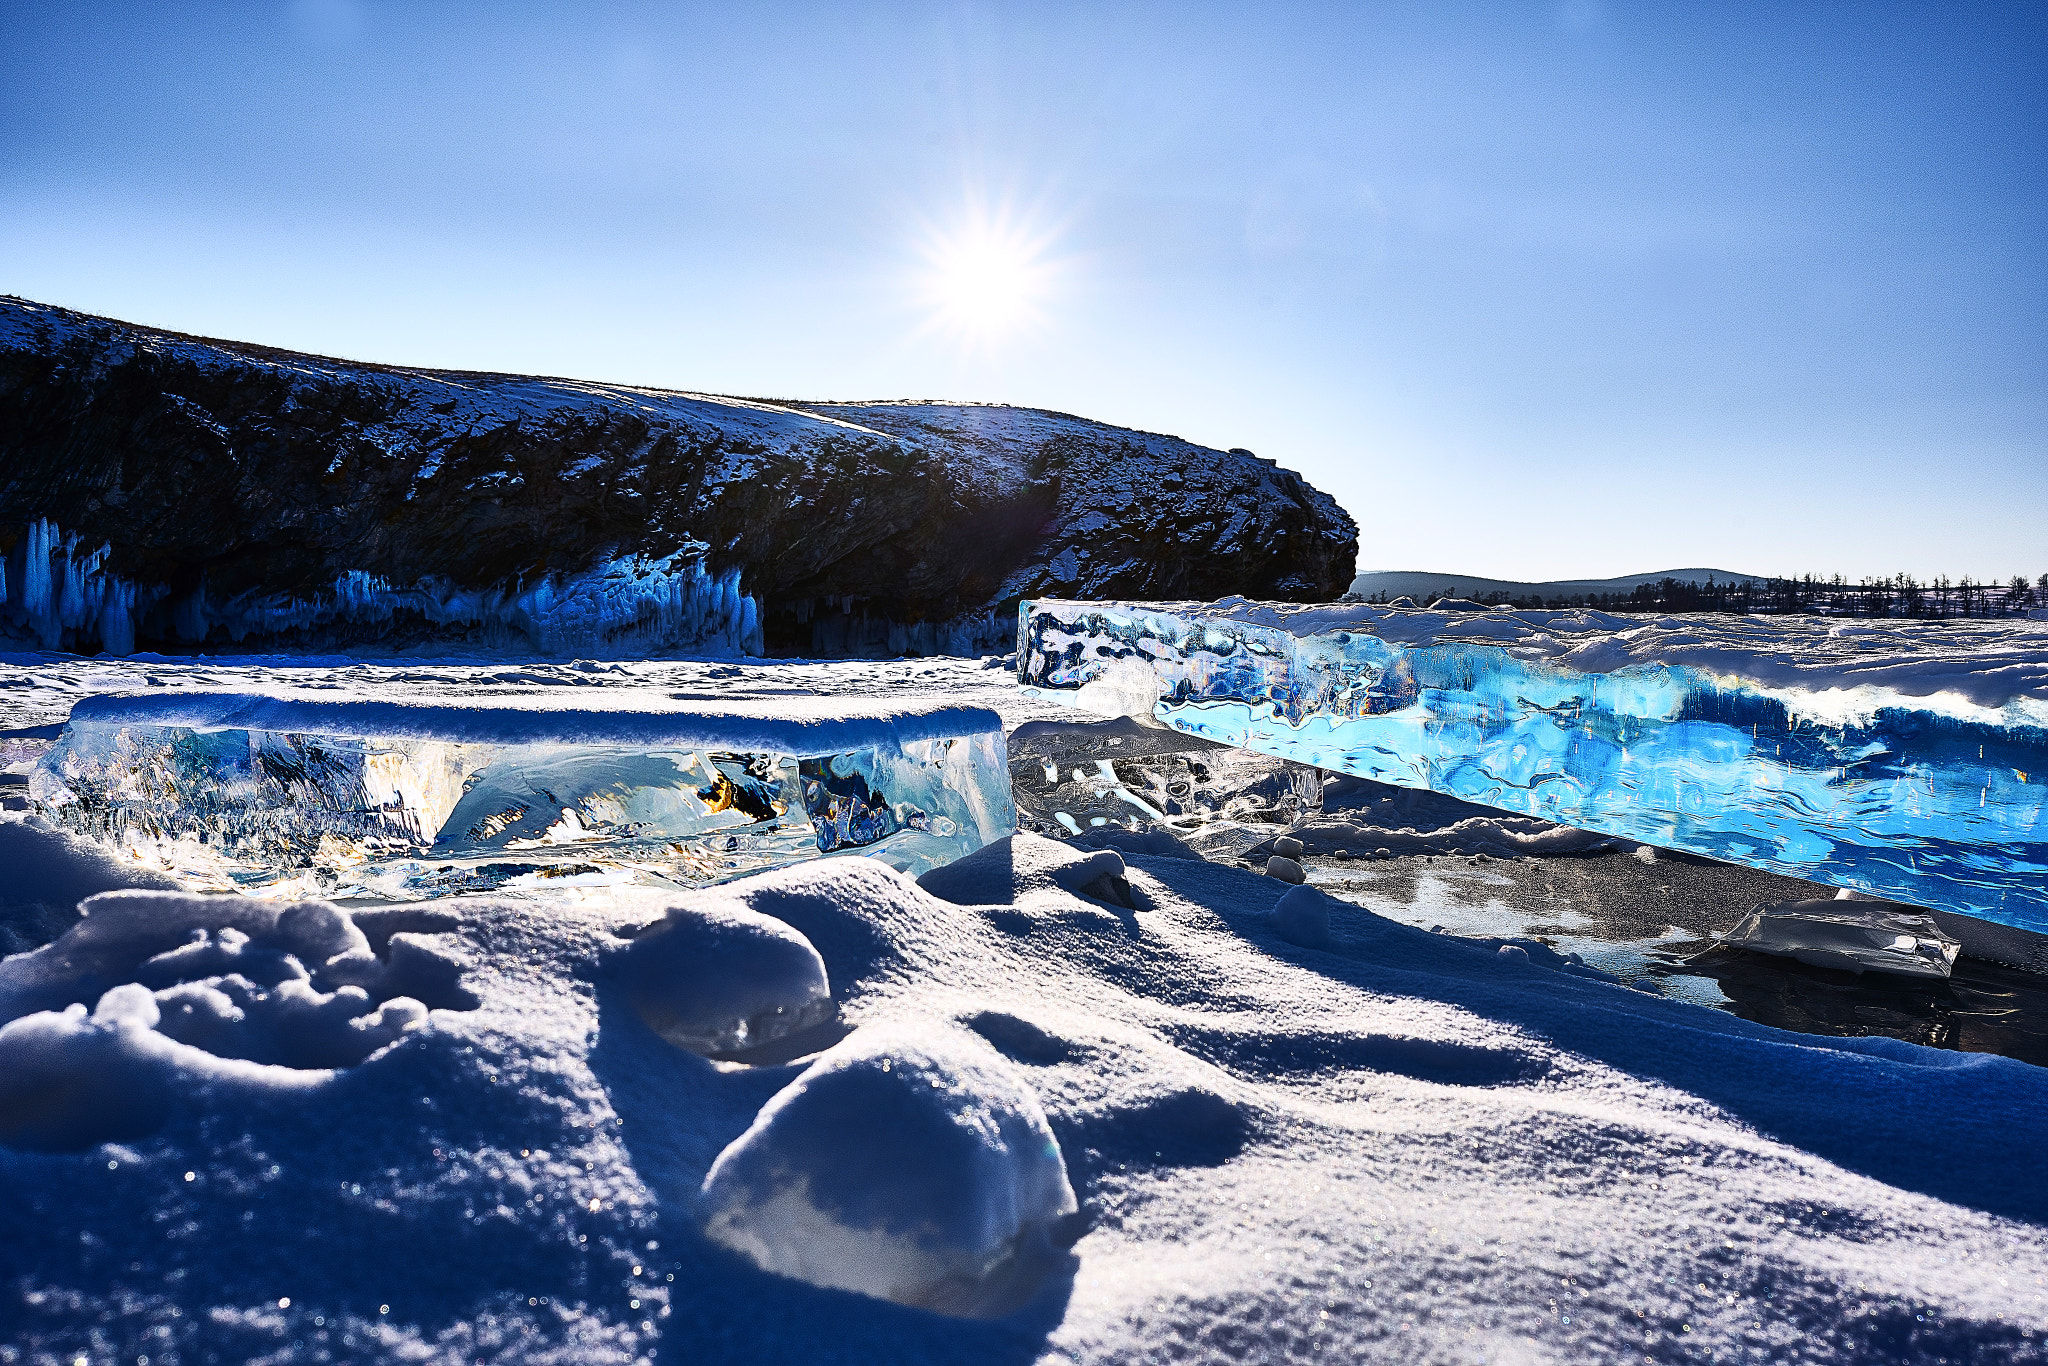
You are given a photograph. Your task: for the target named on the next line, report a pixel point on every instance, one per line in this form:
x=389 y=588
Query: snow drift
x=1395 y=1147
x=191 y=991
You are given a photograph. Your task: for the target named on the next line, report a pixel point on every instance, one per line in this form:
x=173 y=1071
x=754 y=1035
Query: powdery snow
x=1400 y=1148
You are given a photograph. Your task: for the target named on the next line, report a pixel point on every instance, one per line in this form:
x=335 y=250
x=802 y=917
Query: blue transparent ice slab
x=416 y=799
x=1934 y=799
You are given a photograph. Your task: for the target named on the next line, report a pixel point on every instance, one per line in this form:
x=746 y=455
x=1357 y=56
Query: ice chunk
x=1909 y=763
x=1853 y=936
x=408 y=798
x=907 y=1163
x=716 y=977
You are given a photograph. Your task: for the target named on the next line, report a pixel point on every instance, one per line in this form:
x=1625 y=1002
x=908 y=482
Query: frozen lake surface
x=1055 y=1101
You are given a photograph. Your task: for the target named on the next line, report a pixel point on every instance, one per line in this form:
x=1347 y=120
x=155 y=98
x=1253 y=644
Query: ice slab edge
x=409 y=798
x=1911 y=801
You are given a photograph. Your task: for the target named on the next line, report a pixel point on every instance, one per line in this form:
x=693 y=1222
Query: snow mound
x=68 y=1080
x=191 y=990
x=908 y=1163
x=51 y=870
x=716 y=977
x=1014 y=868
x=1302 y=917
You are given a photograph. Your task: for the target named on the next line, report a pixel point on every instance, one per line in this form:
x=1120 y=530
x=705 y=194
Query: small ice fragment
x=1852 y=936
x=1102 y=876
x=1514 y=953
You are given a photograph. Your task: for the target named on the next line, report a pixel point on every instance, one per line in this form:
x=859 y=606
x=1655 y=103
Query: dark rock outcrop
x=248 y=492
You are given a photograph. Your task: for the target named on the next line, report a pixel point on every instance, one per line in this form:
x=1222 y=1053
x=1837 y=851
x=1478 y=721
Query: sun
x=986 y=278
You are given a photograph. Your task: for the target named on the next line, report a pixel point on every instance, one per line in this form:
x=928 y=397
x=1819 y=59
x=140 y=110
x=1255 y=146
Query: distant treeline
x=1901 y=595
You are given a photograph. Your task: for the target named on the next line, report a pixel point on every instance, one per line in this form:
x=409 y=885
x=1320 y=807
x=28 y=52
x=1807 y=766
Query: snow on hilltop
x=247 y=492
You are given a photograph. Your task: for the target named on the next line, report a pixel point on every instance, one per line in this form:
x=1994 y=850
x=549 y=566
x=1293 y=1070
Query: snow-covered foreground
x=1398 y=1146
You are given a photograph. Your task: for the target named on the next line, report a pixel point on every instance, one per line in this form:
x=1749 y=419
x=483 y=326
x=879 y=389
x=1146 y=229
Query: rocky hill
x=160 y=490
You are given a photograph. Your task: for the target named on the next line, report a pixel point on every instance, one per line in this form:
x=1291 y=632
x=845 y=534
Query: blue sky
x=1535 y=290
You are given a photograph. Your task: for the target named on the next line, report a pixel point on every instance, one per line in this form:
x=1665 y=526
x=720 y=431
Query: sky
x=1534 y=290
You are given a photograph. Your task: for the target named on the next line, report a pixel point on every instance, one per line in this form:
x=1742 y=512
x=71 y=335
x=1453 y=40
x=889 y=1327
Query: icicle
x=35 y=588
x=188 y=622
x=627 y=604
x=117 y=618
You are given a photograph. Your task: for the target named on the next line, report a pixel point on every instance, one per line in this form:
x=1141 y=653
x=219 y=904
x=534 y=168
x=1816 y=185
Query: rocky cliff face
x=159 y=489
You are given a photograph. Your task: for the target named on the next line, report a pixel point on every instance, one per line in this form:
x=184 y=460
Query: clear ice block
x=1848 y=936
x=420 y=797
x=1909 y=762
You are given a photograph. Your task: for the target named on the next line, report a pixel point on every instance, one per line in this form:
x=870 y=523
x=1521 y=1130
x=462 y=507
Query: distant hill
x=172 y=490
x=1423 y=585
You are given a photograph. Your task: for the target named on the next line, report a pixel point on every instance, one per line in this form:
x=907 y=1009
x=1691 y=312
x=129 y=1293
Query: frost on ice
x=907 y=1163
x=190 y=990
x=716 y=977
x=409 y=798
x=1849 y=755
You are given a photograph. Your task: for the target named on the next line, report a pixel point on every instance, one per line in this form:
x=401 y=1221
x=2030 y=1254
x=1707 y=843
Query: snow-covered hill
x=242 y=493
x=1424 y=585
